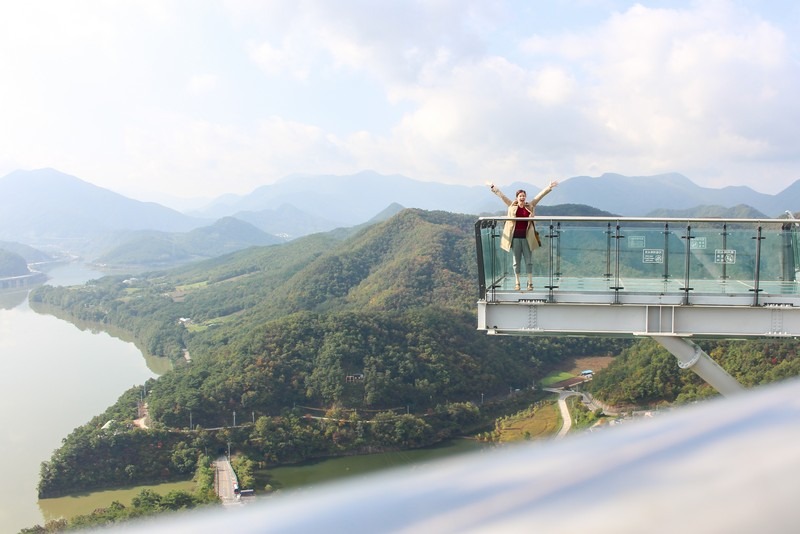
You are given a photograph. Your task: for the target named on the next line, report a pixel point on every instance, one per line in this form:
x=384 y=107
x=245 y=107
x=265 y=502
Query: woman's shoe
x=530 y=286
x=516 y=286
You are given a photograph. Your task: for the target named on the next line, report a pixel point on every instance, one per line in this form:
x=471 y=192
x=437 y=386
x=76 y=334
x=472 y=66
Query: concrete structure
x=23 y=281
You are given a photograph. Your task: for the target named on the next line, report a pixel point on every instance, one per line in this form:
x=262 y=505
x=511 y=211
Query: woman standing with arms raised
x=519 y=237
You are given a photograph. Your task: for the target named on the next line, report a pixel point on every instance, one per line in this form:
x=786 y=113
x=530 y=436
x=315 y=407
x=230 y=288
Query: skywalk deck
x=672 y=280
x=644 y=276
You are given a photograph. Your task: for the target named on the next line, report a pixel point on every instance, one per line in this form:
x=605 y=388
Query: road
x=562 y=405
x=224 y=479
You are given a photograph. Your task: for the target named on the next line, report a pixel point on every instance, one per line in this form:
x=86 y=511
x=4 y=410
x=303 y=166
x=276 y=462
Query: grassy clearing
x=189 y=287
x=194 y=327
x=574 y=366
x=556 y=377
x=541 y=420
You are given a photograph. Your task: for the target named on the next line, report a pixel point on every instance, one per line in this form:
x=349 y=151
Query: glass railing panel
x=722 y=258
x=496 y=262
x=735 y=258
x=776 y=249
x=574 y=250
x=650 y=256
x=646 y=257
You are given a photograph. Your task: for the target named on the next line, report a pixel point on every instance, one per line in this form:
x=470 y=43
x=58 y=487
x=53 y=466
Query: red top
x=520 y=227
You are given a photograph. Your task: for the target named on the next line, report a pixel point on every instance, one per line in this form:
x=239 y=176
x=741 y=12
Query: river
x=54 y=377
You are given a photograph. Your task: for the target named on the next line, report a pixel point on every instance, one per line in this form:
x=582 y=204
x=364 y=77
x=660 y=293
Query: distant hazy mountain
x=31 y=255
x=12 y=264
x=157 y=249
x=287 y=221
x=640 y=195
x=48 y=206
x=741 y=211
x=353 y=199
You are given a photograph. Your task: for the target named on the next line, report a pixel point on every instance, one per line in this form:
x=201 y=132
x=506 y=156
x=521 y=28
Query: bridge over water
x=670 y=279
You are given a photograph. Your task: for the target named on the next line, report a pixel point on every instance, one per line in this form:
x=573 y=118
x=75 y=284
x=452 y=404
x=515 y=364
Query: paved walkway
x=562 y=405
x=563 y=394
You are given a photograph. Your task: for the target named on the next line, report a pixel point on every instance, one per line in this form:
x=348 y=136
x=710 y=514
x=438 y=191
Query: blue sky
x=158 y=98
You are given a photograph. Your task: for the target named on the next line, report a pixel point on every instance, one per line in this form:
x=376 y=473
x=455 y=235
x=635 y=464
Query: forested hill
x=378 y=319
x=273 y=326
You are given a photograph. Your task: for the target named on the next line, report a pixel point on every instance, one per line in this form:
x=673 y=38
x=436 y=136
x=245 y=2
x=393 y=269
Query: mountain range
x=153 y=248
x=55 y=211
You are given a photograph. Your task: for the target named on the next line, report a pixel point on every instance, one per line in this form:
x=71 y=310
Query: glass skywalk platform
x=643 y=276
x=669 y=279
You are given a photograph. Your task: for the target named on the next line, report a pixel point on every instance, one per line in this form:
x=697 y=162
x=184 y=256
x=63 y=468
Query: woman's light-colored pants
x=521 y=249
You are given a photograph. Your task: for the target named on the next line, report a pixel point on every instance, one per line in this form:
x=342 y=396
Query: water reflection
x=159 y=365
x=11 y=299
x=307 y=474
x=86 y=503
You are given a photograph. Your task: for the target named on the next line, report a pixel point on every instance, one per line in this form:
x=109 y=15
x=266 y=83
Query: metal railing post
x=724 y=247
x=616 y=287
x=666 y=252
x=686 y=266
x=757 y=274
x=608 y=251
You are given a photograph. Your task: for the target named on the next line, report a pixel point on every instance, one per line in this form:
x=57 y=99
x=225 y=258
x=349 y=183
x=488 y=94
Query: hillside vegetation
x=646 y=374
x=351 y=341
x=273 y=328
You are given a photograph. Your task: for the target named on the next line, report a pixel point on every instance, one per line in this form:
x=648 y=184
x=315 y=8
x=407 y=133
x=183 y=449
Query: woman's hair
x=520 y=191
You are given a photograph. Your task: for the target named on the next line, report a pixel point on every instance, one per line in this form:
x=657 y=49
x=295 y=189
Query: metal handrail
x=595 y=218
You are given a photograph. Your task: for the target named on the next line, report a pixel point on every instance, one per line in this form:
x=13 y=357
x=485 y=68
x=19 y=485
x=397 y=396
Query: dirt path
x=141 y=422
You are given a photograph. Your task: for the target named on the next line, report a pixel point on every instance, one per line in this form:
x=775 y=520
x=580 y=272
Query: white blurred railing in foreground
x=728 y=465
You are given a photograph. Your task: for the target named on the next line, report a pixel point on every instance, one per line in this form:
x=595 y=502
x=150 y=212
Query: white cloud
x=446 y=90
x=202 y=84
x=681 y=89
x=279 y=61
x=552 y=86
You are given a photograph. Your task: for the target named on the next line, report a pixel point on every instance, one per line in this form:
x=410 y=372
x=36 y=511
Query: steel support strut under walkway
x=692 y=357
